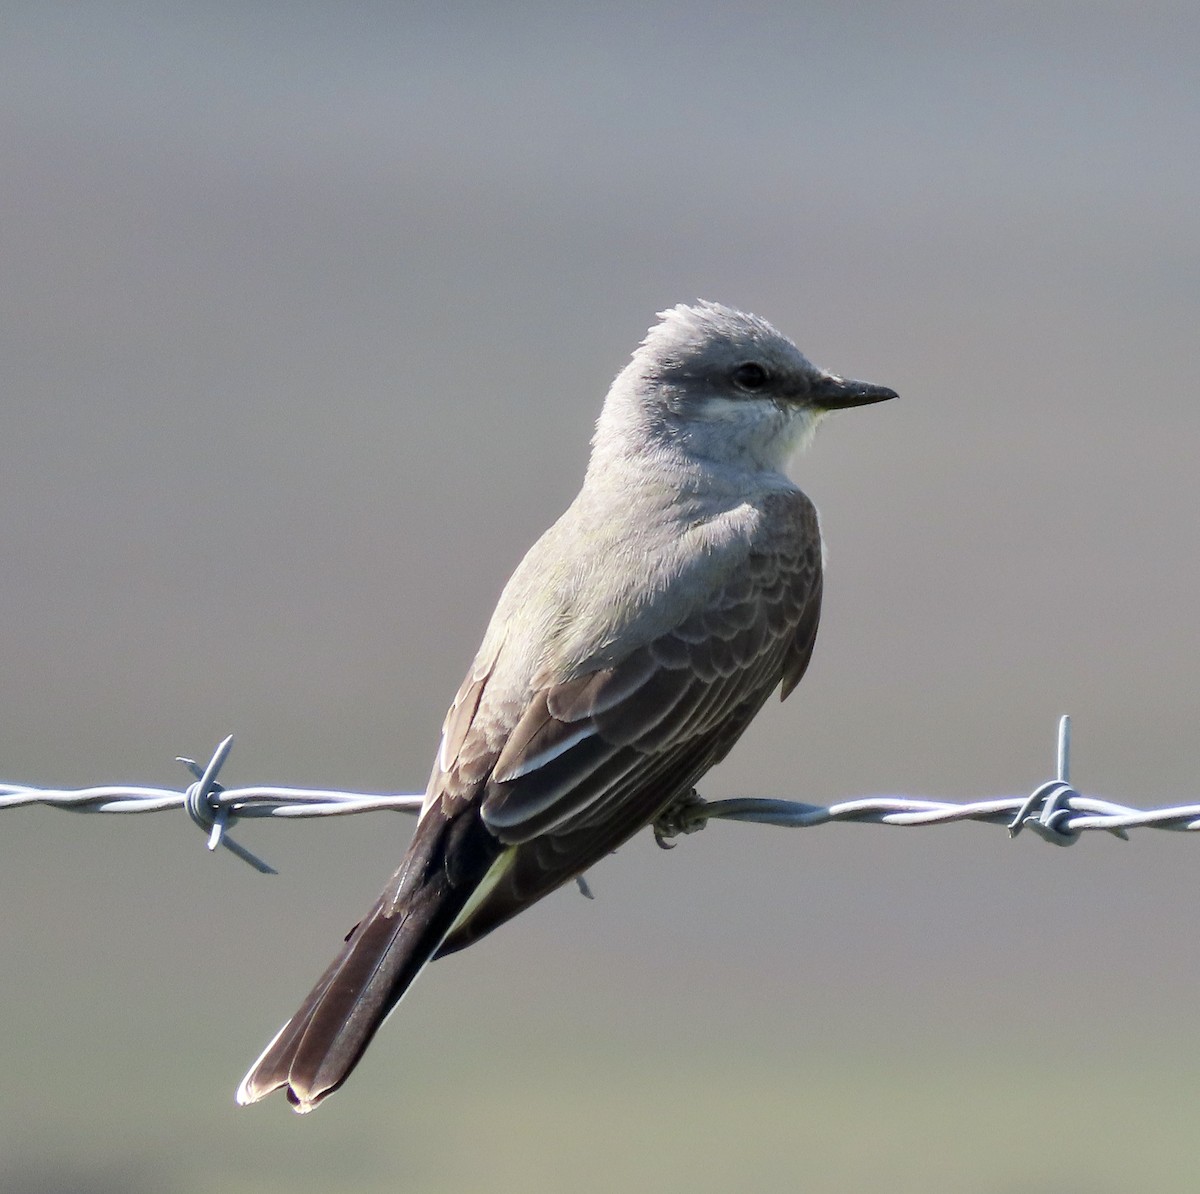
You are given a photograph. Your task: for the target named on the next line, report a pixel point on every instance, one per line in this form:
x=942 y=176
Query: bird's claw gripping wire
x=685 y=815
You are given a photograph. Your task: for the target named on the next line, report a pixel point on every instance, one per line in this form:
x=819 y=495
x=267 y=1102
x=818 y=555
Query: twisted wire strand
x=1055 y=811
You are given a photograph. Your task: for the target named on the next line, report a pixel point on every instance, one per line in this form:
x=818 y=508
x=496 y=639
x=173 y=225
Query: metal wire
x=1055 y=811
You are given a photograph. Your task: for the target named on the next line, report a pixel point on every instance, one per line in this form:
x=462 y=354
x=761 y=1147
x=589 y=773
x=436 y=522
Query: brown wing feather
x=593 y=760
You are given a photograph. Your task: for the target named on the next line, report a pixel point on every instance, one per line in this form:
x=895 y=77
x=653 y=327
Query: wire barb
x=1055 y=811
x=1052 y=799
x=202 y=800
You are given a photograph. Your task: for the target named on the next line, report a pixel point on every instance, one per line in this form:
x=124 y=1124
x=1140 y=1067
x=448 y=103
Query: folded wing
x=590 y=761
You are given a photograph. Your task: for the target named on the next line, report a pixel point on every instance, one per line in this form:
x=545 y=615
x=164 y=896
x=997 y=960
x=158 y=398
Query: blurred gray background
x=307 y=312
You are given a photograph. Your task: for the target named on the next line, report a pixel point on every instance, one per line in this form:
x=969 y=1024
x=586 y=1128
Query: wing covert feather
x=588 y=761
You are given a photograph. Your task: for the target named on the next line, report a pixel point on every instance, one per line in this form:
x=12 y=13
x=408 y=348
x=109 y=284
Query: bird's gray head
x=721 y=385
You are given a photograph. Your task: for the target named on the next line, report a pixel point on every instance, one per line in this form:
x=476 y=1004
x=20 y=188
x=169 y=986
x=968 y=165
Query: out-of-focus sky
x=306 y=312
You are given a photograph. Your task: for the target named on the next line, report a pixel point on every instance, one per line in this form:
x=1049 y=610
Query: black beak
x=837 y=393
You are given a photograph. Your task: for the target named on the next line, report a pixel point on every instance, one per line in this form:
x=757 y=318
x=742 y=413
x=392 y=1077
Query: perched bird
x=628 y=652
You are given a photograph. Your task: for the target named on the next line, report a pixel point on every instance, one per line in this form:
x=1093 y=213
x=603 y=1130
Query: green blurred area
x=684 y=1104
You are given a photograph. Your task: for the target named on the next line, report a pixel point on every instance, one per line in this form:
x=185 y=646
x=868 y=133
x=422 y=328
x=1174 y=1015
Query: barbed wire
x=1054 y=810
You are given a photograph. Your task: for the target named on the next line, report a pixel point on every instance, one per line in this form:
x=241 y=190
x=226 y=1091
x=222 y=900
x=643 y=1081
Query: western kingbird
x=628 y=652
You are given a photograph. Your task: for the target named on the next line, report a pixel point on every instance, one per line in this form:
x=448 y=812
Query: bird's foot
x=685 y=815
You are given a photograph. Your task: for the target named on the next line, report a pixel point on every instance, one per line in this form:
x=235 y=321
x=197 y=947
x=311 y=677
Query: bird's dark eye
x=750 y=376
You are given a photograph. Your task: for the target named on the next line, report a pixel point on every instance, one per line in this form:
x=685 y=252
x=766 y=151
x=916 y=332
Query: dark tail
x=316 y=1050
